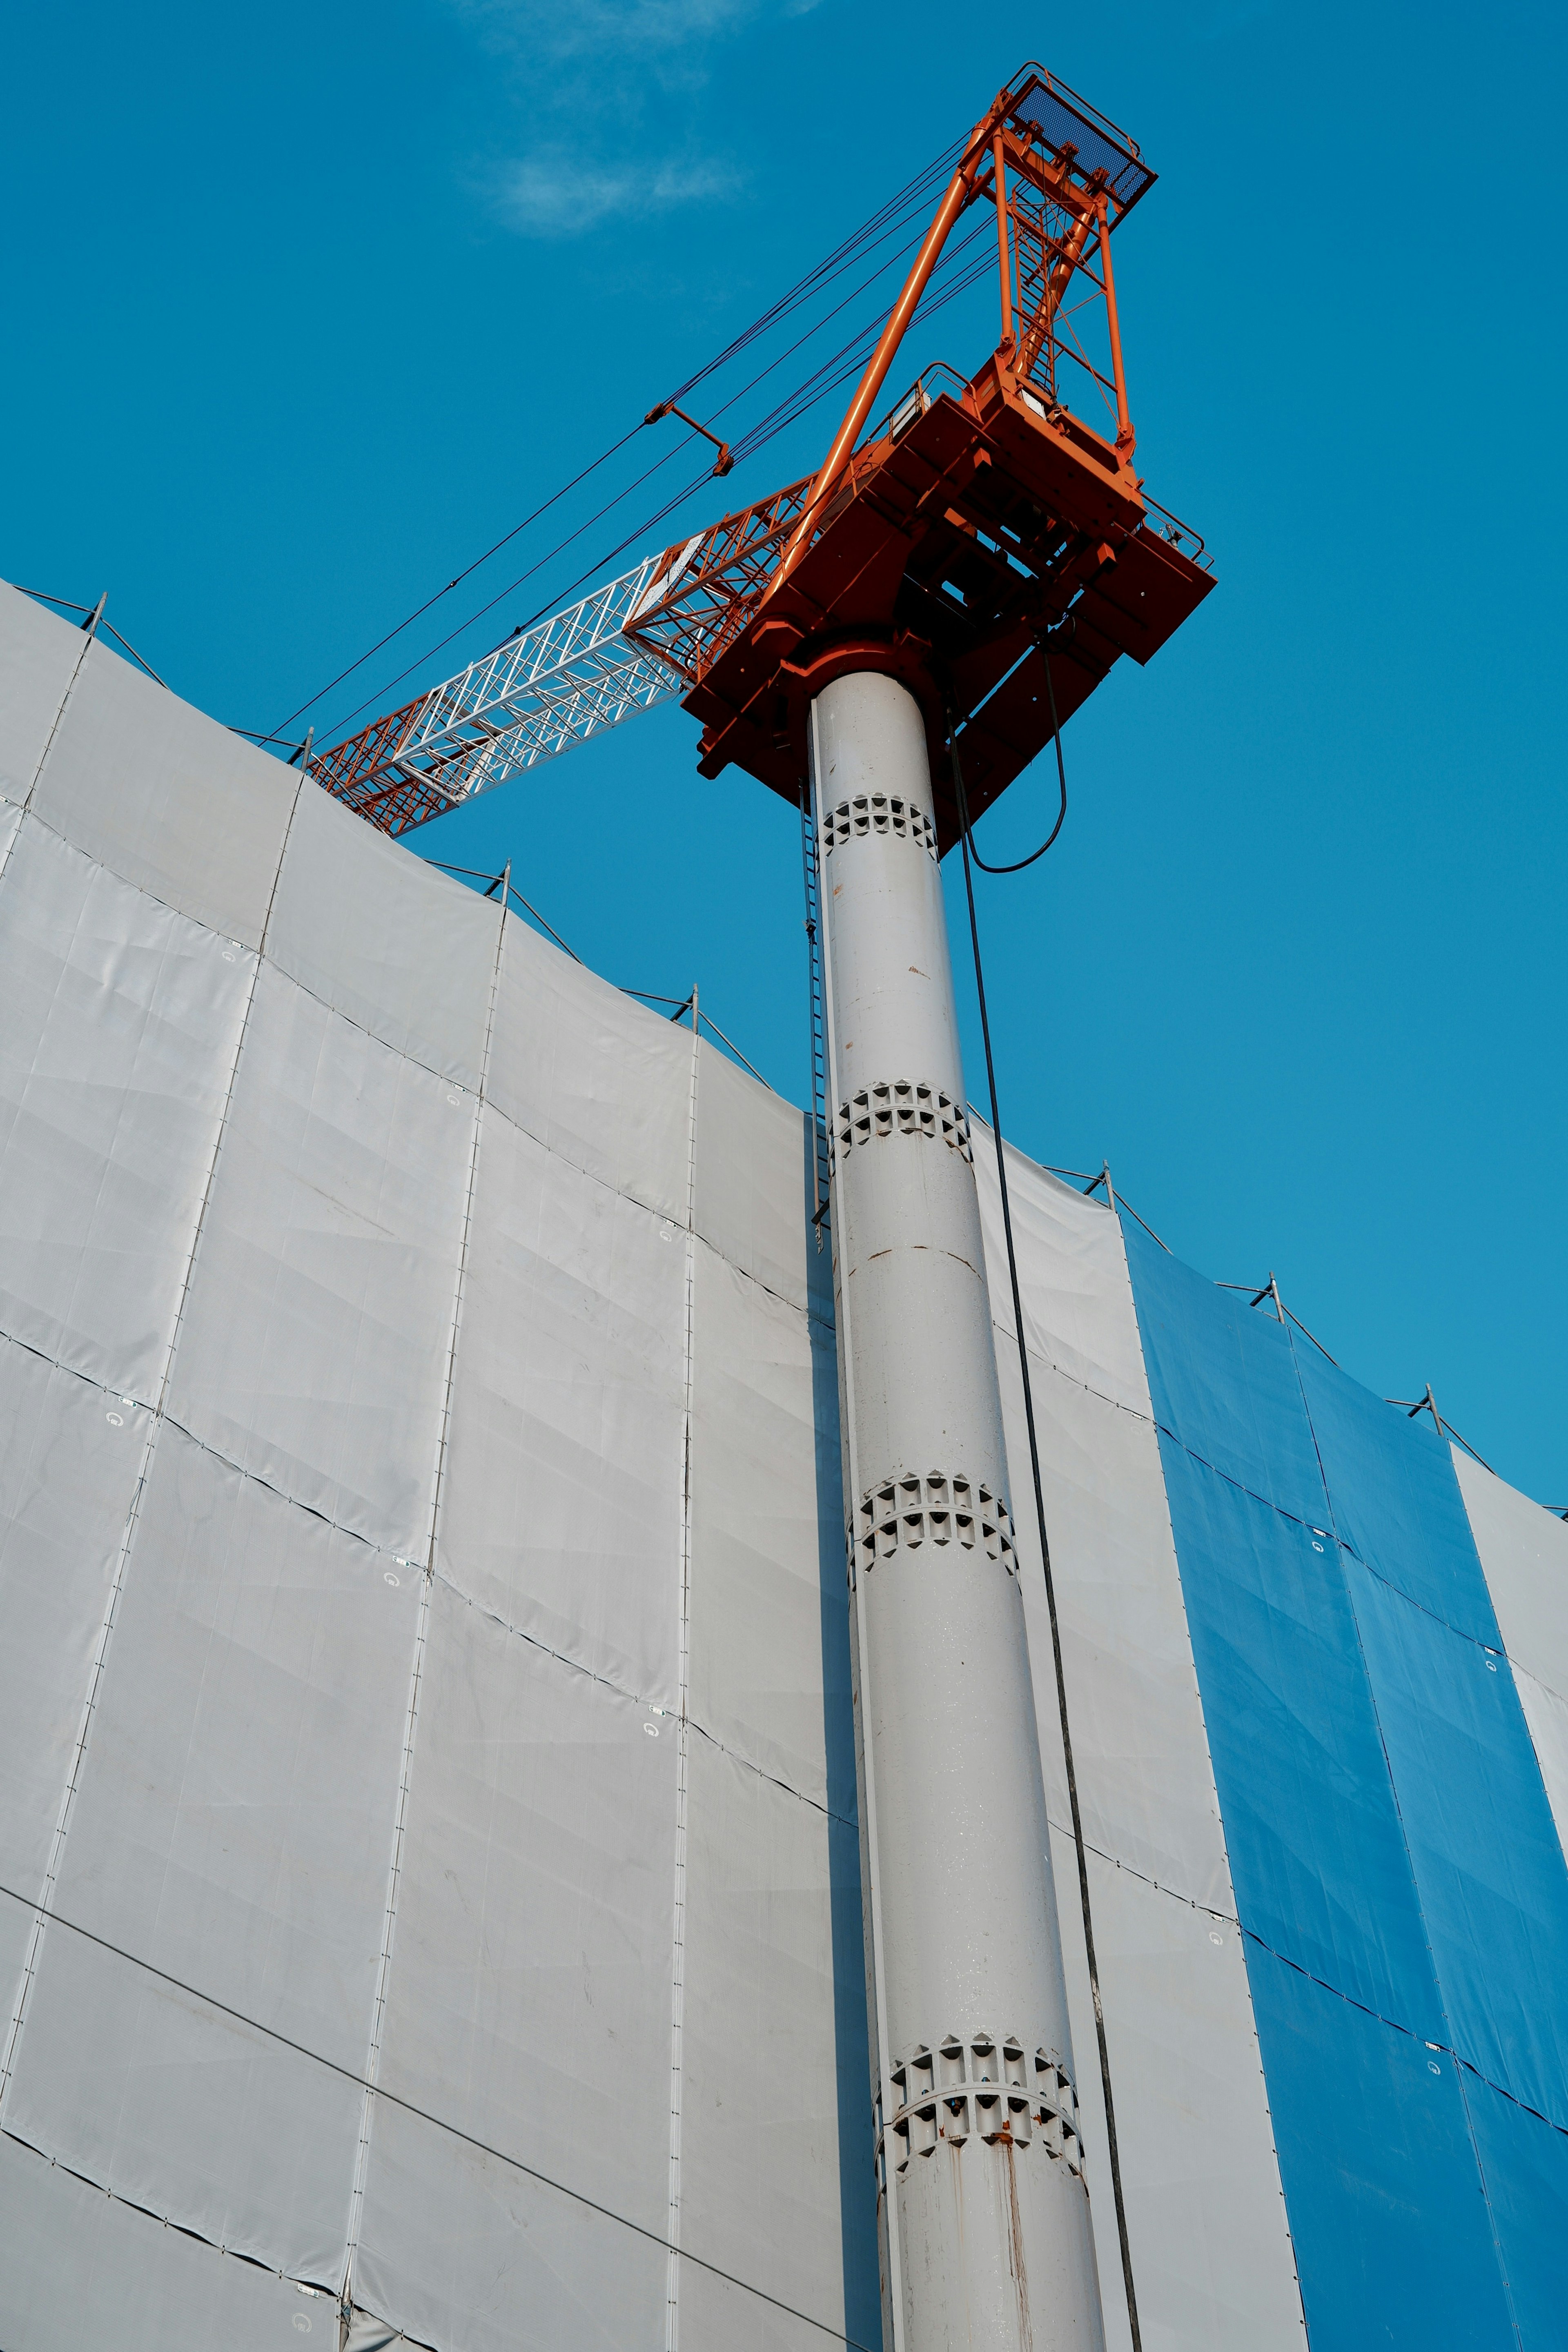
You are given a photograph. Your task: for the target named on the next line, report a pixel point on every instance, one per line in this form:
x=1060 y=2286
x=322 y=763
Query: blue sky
x=308 y=308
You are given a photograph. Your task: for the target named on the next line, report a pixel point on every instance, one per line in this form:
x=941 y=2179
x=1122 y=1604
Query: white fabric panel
x=368 y=2333
x=10 y=824
x=163 y=2100
x=1145 y=1784
x=564 y=1493
x=15 y=1934
x=472 y=2255
x=234 y=1817
x=38 y=655
x=1546 y=1717
x=233 y=1829
x=774 y=2044
x=1211 y=2249
x=767 y=1542
x=716 y=2315
x=314 y=1348
x=1072 y=1276
x=81 y=2271
x=1525 y=1557
x=381 y=936
x=529 y=2004
x=70 y=1457
x=121 y=1024
x=754 y=1184
x=591 y=1073
x=167 y=798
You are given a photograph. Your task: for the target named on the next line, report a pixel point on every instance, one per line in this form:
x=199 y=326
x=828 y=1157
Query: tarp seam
x=1210 y=1776
x=404 y=1053
x=1075 y=1380
x=89 y=641
x=683 y=1727
x=164 y=2220
x=411 y=1719
x=637 y=1698
x=521 y=1126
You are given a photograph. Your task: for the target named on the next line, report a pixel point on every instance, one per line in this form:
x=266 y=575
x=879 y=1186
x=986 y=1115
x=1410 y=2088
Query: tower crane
x=984 y=518
x=888 y=643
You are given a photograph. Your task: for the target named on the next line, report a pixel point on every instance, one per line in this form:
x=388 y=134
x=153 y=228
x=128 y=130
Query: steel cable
x=425 y=2114
x=458 y=578
x=882 y=225
x=1017 y=868
x=832 y=372
x=1111 y=2145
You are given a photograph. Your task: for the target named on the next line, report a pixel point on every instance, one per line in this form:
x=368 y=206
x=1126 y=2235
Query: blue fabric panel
x=1488 y=1868
x=1223 y=1380
x=1525 y=2161
x=1317 y=1853
x=1394 y=2240
x=1396 y=1868
x=1394 y=1497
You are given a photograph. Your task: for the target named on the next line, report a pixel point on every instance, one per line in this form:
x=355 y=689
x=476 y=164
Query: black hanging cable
x=969 y=847
x=1078 y=1846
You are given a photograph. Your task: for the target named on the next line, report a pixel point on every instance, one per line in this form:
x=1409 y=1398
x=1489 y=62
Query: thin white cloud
x=578 y=68
x=551 y=194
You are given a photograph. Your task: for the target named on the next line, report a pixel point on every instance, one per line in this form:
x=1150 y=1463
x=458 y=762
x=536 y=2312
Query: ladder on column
x=821 y=1159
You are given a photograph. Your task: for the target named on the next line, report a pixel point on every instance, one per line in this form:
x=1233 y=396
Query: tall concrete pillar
x=986 y=2233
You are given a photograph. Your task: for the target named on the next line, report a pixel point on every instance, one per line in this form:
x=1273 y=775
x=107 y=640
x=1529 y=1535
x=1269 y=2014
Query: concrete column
x=986 y=2233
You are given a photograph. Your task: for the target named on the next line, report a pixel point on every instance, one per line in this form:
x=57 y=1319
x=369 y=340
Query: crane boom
x=546 y=689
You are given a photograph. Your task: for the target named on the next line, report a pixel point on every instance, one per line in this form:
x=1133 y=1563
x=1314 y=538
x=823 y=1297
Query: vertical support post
x=1123 y=420
x=1003 y=252
x=980 y=2160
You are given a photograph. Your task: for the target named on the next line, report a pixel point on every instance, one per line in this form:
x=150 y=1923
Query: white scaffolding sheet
x=302 y=1814
x=1211 y=2252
